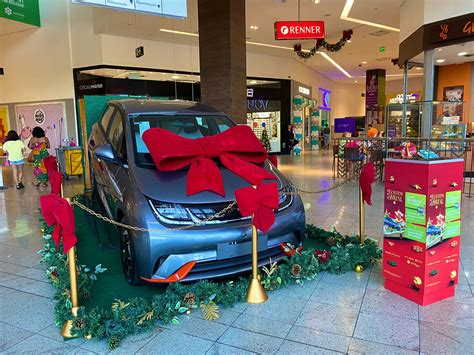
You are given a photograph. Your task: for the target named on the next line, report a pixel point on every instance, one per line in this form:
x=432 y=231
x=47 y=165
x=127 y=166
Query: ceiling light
x=356 y=81
x=316 y=1
x=364 y=62
x=418 y=68
x=349 y=41
x=440 y=60
x=179 y=32
x=439 y=49
x=462 y=54
x=175 y=77
x=345 y=16
x=253 y=81
x=330 y=60
x=254 y=27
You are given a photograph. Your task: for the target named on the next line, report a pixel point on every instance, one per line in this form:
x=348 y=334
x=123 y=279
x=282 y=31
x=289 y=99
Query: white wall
x=396 y=86
x=348 y=101
x=37 y=62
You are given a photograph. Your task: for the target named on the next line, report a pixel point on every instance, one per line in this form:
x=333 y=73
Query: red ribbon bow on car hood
x=236 y=148
x=57 y=211
x=367 y=178
x=260 y=203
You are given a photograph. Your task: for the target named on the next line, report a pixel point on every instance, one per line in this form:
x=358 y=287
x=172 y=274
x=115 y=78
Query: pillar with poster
x=375 y=99
x=422 y=228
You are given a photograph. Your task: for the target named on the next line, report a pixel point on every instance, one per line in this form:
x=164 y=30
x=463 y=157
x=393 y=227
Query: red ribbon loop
x=367 y=178
x=58 y=212
x=236 y=148
x=260 y=202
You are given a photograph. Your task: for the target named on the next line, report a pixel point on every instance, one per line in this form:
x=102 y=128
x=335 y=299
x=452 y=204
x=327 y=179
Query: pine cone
x=84 y=293
x=114 y=342
x=331 y=241
x=189 y=299
x=296 y=270
x=79 y=323
x=54 y=274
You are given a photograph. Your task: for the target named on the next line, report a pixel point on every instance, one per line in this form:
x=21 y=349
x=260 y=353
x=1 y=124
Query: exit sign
x=382 y=49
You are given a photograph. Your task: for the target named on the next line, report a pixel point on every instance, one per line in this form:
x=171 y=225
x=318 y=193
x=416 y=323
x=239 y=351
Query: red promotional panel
x=422 y=228
x=299 y=29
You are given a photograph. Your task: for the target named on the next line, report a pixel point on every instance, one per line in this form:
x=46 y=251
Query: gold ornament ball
x=417 y=281
x=453 y=274
x=88 y=336
x=359 y=268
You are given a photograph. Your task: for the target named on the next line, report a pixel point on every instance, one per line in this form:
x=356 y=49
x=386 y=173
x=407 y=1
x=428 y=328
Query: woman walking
x=39 y=145
x=15 y=154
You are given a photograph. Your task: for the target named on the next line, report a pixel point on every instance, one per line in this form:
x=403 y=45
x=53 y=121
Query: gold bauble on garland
x=359 y=268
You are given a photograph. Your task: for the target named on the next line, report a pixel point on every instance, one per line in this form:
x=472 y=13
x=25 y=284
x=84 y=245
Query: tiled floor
x=350 y=313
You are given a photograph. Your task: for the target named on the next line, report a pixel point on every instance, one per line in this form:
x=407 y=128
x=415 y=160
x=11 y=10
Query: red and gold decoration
x=322 y=44
x=171 y=152
x=367 y=178
x=322 y=255
x=422 y=228
x=290 y=249
x=259 y=202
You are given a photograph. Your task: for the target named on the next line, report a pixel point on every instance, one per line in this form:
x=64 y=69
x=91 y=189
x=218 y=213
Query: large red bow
x=236 y=148
x=58 y=212
x=50 y=163
x=260 y=203
x=55 y=180
x=367 y=178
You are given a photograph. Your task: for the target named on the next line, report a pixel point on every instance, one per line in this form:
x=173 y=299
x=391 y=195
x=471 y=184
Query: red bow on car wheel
x=58 y=212
x=260 y=202
x=236 y=148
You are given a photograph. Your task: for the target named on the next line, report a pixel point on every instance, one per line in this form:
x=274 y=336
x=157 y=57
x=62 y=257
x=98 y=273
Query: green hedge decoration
x=137 y=315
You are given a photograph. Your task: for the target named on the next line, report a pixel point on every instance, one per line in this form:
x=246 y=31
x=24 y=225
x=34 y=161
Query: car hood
x=171 y=186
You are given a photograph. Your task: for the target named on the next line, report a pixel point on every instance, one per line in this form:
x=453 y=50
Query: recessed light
x=356 y=81
x=364 y=62
x=349 y=41
x=253 y=27
x=462 y=54
x=440 y=60
x=439 y=49
x=418 y=68
x=253 y=81
x=175 y=77
x=316 y=1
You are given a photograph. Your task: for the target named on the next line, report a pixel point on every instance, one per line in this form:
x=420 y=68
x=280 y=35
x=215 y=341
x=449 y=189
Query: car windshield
x=188 y=126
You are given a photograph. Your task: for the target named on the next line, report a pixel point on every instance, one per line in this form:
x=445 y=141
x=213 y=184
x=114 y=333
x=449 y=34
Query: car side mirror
x=105 y=152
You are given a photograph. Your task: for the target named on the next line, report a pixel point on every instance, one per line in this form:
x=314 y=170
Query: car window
x=107 y=116
x=115 y=132
x=96 y=138
x=187 y=126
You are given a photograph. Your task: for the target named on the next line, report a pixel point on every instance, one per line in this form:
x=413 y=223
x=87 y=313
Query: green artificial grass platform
x=112 y=284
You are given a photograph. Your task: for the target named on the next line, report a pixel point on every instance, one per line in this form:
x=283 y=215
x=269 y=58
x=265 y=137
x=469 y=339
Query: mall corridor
x=349 y=313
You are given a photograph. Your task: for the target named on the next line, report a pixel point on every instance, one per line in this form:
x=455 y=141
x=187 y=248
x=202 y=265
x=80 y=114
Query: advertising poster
x=452 y=112
x=25 y=11
x=3 y=124
x=50 y=116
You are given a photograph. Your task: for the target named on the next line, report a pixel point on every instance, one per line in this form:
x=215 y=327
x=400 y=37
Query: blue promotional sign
x=342 y=125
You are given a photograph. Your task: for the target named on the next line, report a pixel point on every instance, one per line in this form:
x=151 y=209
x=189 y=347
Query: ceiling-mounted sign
x=25 y=11
x=299 y=29
x=305 y=91
x=167 y=8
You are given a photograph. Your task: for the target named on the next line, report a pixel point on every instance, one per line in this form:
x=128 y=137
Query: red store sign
x=299 y=29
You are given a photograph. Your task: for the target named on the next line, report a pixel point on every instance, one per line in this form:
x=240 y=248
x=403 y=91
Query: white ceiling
x=364 y=46
x=9 y=26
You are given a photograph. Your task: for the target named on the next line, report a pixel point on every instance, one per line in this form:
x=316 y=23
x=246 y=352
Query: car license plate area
x=231 y=250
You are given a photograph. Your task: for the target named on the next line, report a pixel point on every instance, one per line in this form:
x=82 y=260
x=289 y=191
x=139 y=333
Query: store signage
x=452 y=29
x=325 y=99
x=257 y=105
x=249 y=92
x=39 y=116
x=168 y=8
x=399 y=98
x=25 y=11
x=139 y=52
x=91 y=86
x=299 y=30
x=304 y=91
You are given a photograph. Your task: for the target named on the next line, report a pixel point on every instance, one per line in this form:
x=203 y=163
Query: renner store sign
x=299 y=29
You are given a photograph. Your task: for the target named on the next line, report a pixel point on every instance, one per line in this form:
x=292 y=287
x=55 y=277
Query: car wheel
x=127 y=257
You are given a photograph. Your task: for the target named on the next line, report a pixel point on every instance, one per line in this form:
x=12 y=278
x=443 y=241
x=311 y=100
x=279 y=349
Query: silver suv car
x=133 y=191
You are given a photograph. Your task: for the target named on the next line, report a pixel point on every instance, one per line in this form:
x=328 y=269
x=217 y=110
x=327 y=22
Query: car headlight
x=173 y=213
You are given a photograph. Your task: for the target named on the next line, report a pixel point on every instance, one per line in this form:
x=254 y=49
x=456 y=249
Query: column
x=222 y=56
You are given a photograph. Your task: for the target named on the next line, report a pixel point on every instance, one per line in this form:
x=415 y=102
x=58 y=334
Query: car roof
x=131 y=106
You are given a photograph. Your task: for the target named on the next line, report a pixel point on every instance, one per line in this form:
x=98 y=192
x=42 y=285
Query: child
x=15 y=154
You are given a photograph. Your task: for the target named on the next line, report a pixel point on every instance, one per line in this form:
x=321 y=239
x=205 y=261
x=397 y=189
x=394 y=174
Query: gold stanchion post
x=361 y=217
x=71 y=256
x=255 y=293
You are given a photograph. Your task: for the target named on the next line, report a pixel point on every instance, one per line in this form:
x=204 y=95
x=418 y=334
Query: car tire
x=127 y=257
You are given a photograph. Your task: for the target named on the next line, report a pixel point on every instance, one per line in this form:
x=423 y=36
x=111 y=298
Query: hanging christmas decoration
x=321 y=43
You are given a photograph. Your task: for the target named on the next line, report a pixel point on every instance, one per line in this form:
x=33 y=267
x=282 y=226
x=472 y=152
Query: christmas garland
x=137 y=315
x=321 y=43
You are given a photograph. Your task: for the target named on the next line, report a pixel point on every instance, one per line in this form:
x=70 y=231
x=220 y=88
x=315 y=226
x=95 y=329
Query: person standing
x=15 y=154
x=39 y=145
x=290 y=139
x=327 y=134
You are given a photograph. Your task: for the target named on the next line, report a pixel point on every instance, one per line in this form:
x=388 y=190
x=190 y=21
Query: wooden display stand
x=422 y=228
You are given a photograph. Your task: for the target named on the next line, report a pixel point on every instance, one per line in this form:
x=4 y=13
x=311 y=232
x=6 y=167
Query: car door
x=117 y=170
